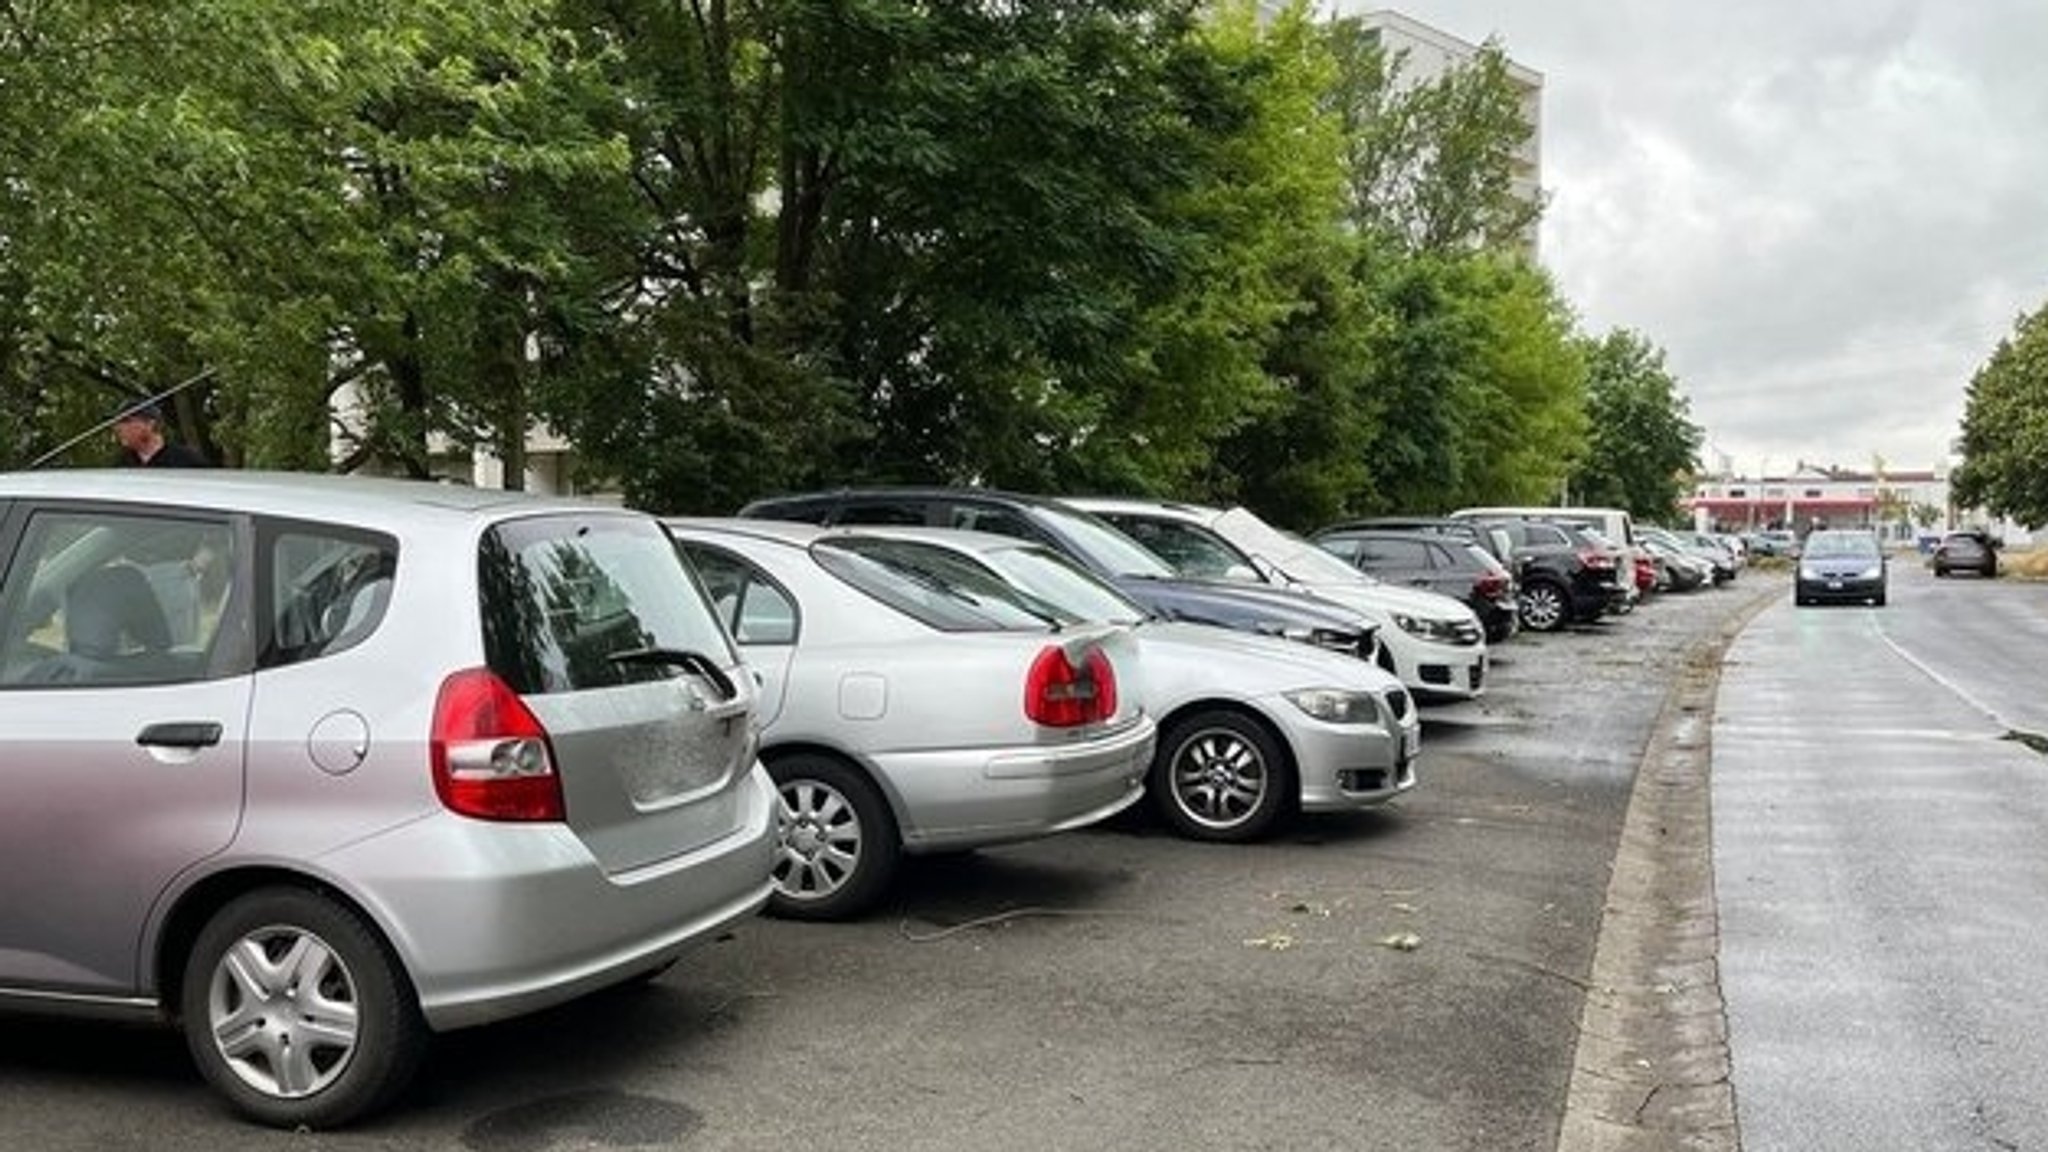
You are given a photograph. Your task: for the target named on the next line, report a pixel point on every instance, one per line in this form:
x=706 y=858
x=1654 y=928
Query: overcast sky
x=1826 y=212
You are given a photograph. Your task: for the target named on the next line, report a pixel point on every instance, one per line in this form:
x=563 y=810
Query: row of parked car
x=317 y=766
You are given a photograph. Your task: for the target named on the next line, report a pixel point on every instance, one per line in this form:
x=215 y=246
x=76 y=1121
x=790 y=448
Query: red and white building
x=1900 y=505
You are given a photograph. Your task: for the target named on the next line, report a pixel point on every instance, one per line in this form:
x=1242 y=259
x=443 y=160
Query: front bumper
x=1838 y=589
x=1348 y=766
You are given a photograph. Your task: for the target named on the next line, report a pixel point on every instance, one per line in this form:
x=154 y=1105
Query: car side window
x=1397 y=553
x=1190 y=549
x=994 y=521
x=885 y=512
x=96 y=598
x=1343 y=547
x=328 y=589
x=750 y=605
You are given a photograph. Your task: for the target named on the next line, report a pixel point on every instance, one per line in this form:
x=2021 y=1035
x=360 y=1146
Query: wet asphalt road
x=1883 y=873
x=1113 y=989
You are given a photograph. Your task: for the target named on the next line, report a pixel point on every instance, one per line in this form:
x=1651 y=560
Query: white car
x=1251 y=727
x=910 y=708
x=1432 y=643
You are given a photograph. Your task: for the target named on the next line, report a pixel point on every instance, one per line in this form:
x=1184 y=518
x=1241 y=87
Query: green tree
x=1482 y=385
x=1644 y=447
x=1434 y=162
x=2004 y=441
x=305 y=196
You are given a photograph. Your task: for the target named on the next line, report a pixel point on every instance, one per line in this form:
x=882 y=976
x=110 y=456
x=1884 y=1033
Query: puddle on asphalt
x=597 y=1118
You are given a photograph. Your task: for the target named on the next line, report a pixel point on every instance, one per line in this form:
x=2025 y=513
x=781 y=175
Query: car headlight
x=1871 y=573
x=1336 y=706
x=1321 y=637
x=1445 y=630
x=1806 y=573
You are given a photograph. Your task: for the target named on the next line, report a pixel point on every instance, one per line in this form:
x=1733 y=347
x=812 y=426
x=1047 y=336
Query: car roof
x=796 y=533
x=912 y=491
x=1399 y=534
x=318 y=494
x=1187 y=510
x=800 y=534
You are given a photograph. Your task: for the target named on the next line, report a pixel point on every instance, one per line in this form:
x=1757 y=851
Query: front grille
x=1436 y=673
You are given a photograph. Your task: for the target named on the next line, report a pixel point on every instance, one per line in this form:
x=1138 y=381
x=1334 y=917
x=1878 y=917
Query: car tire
x=1546 y=606
x=296 y=1011
x=838 y=846
x=1220 y=776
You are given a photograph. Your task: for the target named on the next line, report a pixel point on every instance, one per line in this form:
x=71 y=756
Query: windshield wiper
x=694 y=662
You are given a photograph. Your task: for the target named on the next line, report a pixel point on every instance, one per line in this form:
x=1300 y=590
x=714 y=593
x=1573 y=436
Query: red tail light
x=491 y=755
x=1059 y=695
x=1490 y=585
x=1594 y=559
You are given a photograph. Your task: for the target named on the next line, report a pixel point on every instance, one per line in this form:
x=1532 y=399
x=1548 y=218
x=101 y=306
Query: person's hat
x=140 y=410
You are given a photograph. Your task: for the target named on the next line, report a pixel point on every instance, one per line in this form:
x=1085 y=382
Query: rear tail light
x=1059 y=695
x=1490 y=585
x=1596 y=559
x=490 y=754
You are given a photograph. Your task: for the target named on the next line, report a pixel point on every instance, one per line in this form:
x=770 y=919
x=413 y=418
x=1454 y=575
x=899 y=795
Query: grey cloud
x=1827 y=213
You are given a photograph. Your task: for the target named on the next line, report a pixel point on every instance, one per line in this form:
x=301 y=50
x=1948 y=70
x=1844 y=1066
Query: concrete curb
x=1651 y=1069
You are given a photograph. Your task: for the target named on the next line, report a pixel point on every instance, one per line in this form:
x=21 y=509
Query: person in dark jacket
x=140 y=431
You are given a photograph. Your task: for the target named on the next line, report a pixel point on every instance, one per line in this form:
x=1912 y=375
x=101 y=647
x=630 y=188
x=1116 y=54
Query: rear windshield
x=564 y=595
x=934 y=586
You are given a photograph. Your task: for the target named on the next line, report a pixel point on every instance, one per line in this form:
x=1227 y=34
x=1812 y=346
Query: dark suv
x=1493 y=539
x=1966 y=551
x=1446 y=564
x=1095 y=546
x=1565 y=577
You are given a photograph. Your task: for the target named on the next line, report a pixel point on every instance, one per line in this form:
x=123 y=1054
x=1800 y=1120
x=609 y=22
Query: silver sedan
x=913 y=707
x=1251 y=727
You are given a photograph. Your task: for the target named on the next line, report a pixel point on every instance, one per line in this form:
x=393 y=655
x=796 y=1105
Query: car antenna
x=110 y=421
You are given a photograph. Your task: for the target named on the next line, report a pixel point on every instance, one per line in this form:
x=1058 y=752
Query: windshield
x=1298 y=558
x=1854 y=544
x=1053 y=582
x=1103 y=548
x=933 y=585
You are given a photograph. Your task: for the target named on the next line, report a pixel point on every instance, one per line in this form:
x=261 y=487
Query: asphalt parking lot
x=1405 y=978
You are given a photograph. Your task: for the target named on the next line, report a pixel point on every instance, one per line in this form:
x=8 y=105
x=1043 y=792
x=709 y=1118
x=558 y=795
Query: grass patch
x=2027 y=564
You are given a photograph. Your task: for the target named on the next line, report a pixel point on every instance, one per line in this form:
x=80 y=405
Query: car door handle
x=180 y=734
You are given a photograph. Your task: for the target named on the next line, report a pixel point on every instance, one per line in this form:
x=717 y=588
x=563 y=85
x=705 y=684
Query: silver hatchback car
x=320 y=765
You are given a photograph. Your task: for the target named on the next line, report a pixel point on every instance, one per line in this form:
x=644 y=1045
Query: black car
x=1843 y=566
x=1566 y=576
x=1446 y=564
x=1095 y=546
x=1966 y=551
